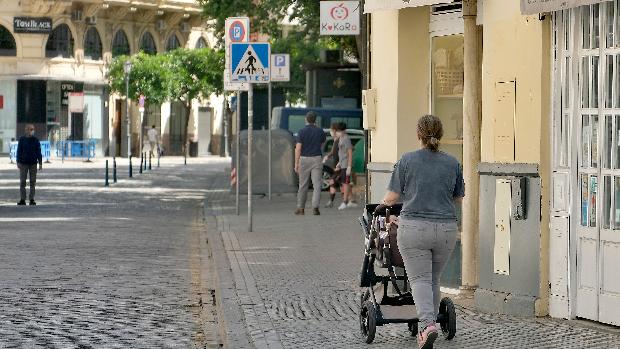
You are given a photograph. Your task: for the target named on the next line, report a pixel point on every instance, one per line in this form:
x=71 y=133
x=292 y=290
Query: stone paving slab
x=298 y=276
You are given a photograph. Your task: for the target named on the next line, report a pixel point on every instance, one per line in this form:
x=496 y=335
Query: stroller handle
x=364 y=225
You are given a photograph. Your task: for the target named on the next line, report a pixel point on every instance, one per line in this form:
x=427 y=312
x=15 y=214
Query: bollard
x=130 y=168
x=144 y=154
x=150 y=158
x=158 y=157
x=107 y=175
x=114 y=169
x=141 y=159
x=185 y=159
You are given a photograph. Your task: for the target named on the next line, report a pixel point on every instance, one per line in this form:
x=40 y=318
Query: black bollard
x=107 y=179
x=141 y=159
x=158 y=157
x=144 y=154
x=150 y=158
x=185 y=159
x=114 y=169
x=130 y=168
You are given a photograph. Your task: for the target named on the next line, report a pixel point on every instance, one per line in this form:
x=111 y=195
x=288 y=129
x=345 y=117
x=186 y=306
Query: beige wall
x=400 y=73
x=516 y=102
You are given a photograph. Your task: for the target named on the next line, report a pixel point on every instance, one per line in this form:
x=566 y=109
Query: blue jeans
x=426 y=247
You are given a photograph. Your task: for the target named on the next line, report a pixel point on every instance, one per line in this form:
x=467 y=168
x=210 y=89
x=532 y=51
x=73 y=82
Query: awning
x=530 y=7
x=379 y=5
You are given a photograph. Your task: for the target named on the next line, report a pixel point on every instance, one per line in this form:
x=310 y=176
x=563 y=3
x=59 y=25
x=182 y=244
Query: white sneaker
x=351 y=204
x=329 y=204
x=342 y=206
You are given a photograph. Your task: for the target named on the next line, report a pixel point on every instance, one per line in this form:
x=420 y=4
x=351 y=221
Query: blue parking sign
x=249 y=62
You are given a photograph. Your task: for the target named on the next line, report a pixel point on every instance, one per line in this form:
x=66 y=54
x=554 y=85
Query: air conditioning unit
x=185 y=27
x=91 y=20
x=160 y=25
x=76 y=15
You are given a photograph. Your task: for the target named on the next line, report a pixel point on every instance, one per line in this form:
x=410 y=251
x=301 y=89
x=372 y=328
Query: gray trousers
x=309 y=168
x=426 y=248
x=23 y=174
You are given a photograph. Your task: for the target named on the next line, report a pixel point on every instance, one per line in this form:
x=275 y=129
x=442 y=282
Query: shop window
x=201 y=43
x=147 y=44
x=172 y=43
x=60 y=43
x=7 y=43
x=447 y=90
x=120 y=44
x=92 y=44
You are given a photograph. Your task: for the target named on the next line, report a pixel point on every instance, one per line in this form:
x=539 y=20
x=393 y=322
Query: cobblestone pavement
x=295 y=284
x=119 y=267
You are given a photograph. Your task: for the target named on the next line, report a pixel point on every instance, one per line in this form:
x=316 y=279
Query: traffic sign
x=233 y=86
x=280 y=67
x=250 y=62
x=237 y=30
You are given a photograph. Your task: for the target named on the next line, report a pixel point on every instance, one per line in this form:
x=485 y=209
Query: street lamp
x=127 y=67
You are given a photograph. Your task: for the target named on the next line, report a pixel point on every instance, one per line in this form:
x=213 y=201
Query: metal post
x=144 y=155
x=141 y=127
x=130 y=168
x=238 y=145
x=269 y=103
x=250 y=131
x=128 y=118
x=150 y=159
x=107 y=175
x=141 y=161
x=158 y=157
x=114 y=170
x=226 y=137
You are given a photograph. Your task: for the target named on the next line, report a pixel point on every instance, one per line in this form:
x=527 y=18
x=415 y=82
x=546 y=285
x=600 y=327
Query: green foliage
x=177 y=75
x=302 y=42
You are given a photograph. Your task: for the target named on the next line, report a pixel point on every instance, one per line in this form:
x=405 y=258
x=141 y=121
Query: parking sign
x=280 y=67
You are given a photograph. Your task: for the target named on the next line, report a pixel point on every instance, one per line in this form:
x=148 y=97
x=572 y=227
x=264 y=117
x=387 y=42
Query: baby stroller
x=378 y=305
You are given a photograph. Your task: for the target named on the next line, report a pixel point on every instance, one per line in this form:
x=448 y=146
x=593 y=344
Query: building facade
x=529 y=93
x=50 y=49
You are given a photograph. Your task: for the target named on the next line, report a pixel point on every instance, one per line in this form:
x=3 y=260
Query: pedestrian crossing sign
x=249 y=62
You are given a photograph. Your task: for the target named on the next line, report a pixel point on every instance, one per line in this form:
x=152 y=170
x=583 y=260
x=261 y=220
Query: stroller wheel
x=447 y=321
x=413 y=328
x=368 y=321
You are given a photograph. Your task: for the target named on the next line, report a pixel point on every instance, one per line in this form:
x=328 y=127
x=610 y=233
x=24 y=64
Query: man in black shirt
x=308 y=163
x=28 y=155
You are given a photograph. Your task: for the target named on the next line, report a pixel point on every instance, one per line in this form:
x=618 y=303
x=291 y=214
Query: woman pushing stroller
x=429 y=183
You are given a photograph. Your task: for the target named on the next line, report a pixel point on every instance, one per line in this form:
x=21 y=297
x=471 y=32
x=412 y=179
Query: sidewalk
x=293 y=283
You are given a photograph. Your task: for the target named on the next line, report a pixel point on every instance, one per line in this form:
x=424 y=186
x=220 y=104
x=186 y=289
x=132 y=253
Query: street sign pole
x=269 y=103
x=238 y=141
x=250 y=131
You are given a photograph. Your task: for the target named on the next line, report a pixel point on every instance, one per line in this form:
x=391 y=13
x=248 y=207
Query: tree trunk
x=188 y=110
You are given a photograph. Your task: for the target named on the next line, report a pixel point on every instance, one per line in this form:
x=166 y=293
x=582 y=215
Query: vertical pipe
x=238 y=145
x=250 y=136
x=269 y=107
x=471 y=147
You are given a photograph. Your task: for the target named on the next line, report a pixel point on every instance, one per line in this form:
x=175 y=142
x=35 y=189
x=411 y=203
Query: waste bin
x=193 y=149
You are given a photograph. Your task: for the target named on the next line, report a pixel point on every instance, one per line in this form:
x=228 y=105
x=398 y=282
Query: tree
x=194 y=74
x=303 y=42
x=180 y=75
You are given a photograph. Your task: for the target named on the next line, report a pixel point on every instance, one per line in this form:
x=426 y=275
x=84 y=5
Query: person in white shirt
x=153 y=136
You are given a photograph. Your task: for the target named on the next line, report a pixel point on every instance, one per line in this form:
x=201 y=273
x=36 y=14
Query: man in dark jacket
x=28 y=155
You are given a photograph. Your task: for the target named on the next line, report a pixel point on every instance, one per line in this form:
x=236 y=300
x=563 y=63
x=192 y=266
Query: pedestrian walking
x=28 y=155
x=334 y=180
x=345 y=165
x=153 y=137
x=309 y=164
x=430 y=184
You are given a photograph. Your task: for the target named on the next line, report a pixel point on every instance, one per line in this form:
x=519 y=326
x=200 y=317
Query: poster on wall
x=530 y=7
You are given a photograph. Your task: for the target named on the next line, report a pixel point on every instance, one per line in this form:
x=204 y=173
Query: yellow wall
x=516 y=102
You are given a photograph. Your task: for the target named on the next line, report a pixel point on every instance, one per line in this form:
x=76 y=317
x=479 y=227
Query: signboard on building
x=280 y=67
x=76 y=102
x=250 y=62
x=66 y=87
x=32 y=25
x=379 y=5
x=237 y=29
x=340 y=17
x=530 y=7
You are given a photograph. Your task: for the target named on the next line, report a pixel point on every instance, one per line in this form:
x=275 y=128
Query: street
x=117 y=267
